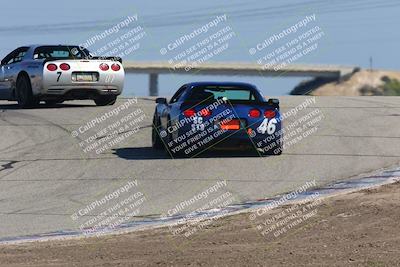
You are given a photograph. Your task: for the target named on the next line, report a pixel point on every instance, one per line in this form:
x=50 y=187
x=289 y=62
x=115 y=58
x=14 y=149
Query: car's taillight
x=104 y=67
x=52 y=67
x=115 y=67
x=189 y=113
x=64 y=66
x=254 y=113
x=233 y=124
x=205 y=112
x=269 y=114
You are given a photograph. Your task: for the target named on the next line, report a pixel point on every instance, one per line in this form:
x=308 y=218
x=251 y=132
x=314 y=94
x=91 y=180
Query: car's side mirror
x=3 y=62
x=274 y=102
x=1 y=73
x=161 y=100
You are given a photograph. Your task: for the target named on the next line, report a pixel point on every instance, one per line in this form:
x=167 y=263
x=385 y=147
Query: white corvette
x=56 y=73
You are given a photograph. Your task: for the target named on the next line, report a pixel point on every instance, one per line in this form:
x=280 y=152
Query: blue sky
x=354 y=31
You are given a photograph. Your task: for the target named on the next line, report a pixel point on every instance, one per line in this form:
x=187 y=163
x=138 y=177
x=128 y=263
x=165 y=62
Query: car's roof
x=37 y=45
x=233 y=84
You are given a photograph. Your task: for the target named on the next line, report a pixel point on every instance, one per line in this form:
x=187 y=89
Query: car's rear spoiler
x=89 y=58
x=108 y=58
x=272 y=102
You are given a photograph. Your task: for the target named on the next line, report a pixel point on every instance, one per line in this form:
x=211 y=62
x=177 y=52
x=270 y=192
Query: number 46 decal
x=267 y=126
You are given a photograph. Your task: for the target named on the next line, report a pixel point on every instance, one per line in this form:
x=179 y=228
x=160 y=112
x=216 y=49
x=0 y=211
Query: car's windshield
x=231 y=93
x=62 y=52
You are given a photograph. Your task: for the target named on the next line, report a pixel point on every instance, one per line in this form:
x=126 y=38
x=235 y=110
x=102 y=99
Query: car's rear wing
x=118 y=59
x=272 y=102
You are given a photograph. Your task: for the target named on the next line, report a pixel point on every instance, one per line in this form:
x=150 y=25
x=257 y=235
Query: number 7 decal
x=59 y=75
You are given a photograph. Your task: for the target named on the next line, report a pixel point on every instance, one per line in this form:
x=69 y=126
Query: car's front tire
x=24 y=93
x=105 y=100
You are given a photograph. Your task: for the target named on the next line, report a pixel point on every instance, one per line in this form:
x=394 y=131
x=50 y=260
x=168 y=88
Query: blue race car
x=217 y=115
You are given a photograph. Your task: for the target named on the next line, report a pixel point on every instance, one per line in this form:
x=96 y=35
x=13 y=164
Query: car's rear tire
x=108 y=100
x=24 y=93
x=156 y=141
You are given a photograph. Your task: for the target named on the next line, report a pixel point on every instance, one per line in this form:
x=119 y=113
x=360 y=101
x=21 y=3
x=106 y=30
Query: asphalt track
x=45 y=176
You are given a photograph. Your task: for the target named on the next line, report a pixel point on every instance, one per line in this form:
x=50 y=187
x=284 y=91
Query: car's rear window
x=60 y=52
x=231 y=93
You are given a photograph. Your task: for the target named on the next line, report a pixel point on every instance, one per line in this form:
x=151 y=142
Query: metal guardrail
x=233 y=69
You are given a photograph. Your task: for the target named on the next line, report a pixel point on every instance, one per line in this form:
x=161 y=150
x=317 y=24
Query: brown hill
x=363 y=82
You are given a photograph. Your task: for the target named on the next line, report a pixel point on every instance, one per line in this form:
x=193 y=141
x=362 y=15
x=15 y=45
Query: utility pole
x=370 y=63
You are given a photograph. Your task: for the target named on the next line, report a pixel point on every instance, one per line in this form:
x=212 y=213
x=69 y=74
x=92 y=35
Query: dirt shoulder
x=358 y=229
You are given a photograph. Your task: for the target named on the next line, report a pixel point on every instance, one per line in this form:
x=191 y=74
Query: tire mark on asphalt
x=26 y=150
x=9 y=150
x=10 y=123
x=39 y=119
x=4 y=149
x=16 y=169
x=50 y=123
x=5 y=120
x=8 y=165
